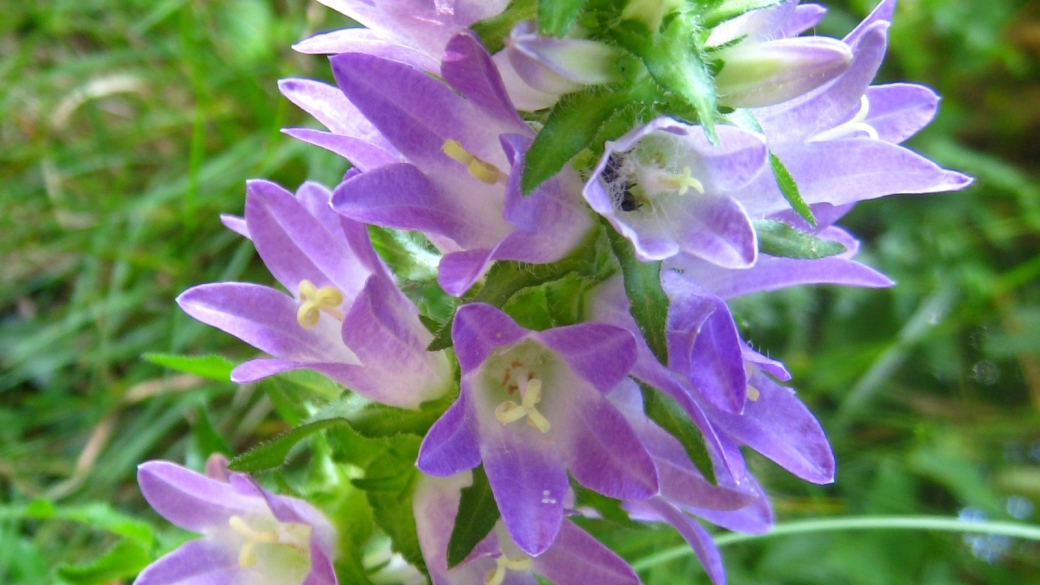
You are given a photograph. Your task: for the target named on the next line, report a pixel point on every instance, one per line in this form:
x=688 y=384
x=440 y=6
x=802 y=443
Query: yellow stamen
x=498 y=574
x=247 y=556
x=315 y=300
x=752 y=393
x=482 y=171
x=683 y=182
x=510 y=411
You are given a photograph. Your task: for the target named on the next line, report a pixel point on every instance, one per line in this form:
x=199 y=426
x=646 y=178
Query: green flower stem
x=855 y=523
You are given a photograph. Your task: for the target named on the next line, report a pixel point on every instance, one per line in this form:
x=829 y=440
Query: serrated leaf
x=789 y=188
x=676 y=63
x=729 y=9
x=211 y=367
x=493 y=31
x=126 y=559
x=476 y=517
x=608 y=508
x=392 y=476
x=668 y=415
x=271 y=454
x=555 y=17
x=649 y=304
x=776 y=238
x=573 y=124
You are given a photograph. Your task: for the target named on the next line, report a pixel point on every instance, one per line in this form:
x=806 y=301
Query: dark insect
x=610 y=175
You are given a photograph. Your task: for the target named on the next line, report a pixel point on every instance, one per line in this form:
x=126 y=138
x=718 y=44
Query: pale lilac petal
x=694 y=535
x=900 y=110
x=523 y=96
x=196 y=562
x=881 y=13
x=805 y=16
x=553 y=212
x=236 y=224
x=363 y=40
x=329 y=106
x=601 y=354
x=296 y=246
x=768 y=365
x=451 y=445
x=480 y=329
x=579 y=559
x=436 y=504
x=771 y=72
x=755 y=518
x=360 y=153
x=190 y=500
x=265 y=319
x=321 y=571
x=468 y=68
x=459 y=270
x=718 y=230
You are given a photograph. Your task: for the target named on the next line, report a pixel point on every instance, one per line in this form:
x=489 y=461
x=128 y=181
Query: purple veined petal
x=755 y=518
x=704 y=345
x=359 y=152
x=718 y=230
x=576 y=558
x=190 y=500
x=321 y=571
x=600 y=354
x=804 y=17
x=881 y=13
x=363 y=40
x=196 y=562
x=258 y=369
x=603 y=453
x=459 y=270
x=780 y=427
x=832 y=104
x=383 y=329
x=468 y=68
x=529 y=483
x=560 y=65
x=899 y=110
x=266 y=319
x=315 y=198
x=694 y=535
x=236 y=224
x=451 y=445
x=523 y=96
x=329 y=106
x=296 y=246
x=480 y=329
x=768 y=365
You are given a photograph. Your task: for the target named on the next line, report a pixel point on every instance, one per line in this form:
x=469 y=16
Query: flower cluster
x=594 y=192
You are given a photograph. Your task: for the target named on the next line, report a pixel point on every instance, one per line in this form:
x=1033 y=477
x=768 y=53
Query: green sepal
x=668 y=415
x=609 y=508
x=476 y=517
x=125 y=559
x=272 y=453
x=493 y=31
x=776 y=238
x=789 y=188
x=555 y=17
x=730 y=9
x=211 y=367
x=649 y=303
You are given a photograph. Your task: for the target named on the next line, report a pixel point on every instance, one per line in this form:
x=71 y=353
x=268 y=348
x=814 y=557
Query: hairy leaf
x=668 y=415
x=477 y=516
x=555 y=17
x=609 y=508
x=271 y=454
x=729 y=9
x=789 y=188
x=493 y=31
x=211 y=367
x=389 y=484
x=776 y=238
x=649 y=304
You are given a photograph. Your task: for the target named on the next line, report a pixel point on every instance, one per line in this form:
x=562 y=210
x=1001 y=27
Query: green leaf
x=476 y=517
x=789 y=188
x=205 y=436
x=271 y=454
x=649 y=304
x=408 y=254
x=555 y=17
x=572 y=126
x=494 y=30
x=97 y=515
x=379 y=420
x=211 y=367
x=730 y=9
x=296 y=394
x=668 y=415
x=609 y=508
x=389 y=483
x=126 y=559
x=776 y=238
x=676 y=63
x=353 y=519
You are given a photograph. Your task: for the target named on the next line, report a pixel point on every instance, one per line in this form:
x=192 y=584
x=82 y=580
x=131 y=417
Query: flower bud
x=559 y=66
x=762 y=74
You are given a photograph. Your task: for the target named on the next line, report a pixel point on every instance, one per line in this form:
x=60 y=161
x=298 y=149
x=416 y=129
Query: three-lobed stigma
x=509 y=411
x=484 y=172
x=317 y=300
x=497 y=575
x=682 y=182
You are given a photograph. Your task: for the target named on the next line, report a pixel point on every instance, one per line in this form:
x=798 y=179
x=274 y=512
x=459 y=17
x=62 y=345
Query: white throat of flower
x=296 y=536
x=498 y=574
x=326 y=299
x=856 y=124
x=484 y=172
x=509 y=411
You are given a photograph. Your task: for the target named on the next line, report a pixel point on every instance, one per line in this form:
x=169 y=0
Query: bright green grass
x=126 y=127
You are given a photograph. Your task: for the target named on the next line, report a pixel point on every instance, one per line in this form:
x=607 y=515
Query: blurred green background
x=127 y=126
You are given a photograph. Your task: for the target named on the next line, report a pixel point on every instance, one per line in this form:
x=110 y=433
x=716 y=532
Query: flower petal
x=371 y=42
x=451 y=445
x=360 y=153
x=897 y=111
x=601 y=354
x=694 y=535
x=191 y=500
x=579 y=559
x=196 y=562
x=468 y=68
x=480 y=329
x=329 y=106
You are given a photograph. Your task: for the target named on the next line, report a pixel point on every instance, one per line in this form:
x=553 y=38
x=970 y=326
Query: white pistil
x=856 y=124
x=315 y=300
x=484 y=172
x=247 y=556
x=498 y=574
x=510 y=411
x=682 y=182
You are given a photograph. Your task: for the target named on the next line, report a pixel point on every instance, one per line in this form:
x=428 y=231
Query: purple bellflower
x=532 y=408
x=408 y=31
x=463 y=154
x=575 y=558
x=344 y=316
x=252 y=537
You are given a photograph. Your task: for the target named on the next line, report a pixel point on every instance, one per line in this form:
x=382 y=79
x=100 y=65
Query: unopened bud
x=767 y=73
x=559 y=66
